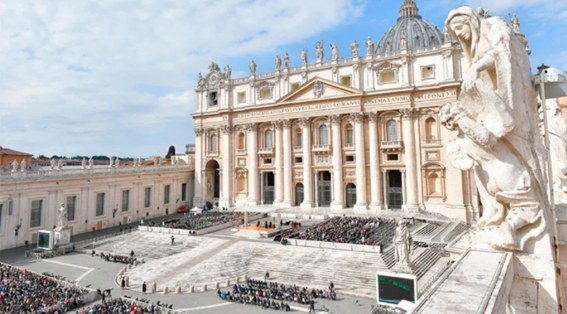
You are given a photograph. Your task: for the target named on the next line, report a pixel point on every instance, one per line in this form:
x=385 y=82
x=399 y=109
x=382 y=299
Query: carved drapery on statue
x=496 y=121
x=557 y=146
x=403 y=244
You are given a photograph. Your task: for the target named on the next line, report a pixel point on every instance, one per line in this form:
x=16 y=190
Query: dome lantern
x=409 y=9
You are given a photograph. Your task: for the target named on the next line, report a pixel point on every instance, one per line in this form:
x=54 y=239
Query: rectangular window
x=100 y=204
x=387 y=77
x=393 y=157
x=299 y=139
x=148 y=197
x=268 y=161
x=265 y=93
x=35 y=215
x=295 y=86
x=345 y=81
x=213 y=99
x=349 y=159
x=241 y=97
x=71 y=207
x=350 y=136
x=125 y=200
x=428 y=72
x=298 y=160
x=184 y=192
x=166 y=194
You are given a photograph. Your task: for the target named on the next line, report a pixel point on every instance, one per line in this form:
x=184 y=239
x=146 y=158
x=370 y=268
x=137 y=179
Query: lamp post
x=558 y=92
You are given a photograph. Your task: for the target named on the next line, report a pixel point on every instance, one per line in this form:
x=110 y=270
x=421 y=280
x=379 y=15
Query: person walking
x=312 y=306
x=144 y=288
x=172 y=240
x=267 y=276
x=123 y=284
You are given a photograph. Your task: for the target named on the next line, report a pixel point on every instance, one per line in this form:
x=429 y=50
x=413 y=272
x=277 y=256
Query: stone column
x=198 y=196
x=448 y=65
x=279 y=163
x=385 y=186
x=287 y=167
x=338 y=189
x=252 y=164
x=227 y=172
x=411 y=203
x=374 y=161
x=361 y=202
x=307 y=164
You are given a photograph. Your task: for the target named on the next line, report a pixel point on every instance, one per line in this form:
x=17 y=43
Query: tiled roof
x=7 y=151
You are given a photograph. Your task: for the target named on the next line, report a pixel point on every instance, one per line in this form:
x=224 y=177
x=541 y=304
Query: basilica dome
x=419 y=33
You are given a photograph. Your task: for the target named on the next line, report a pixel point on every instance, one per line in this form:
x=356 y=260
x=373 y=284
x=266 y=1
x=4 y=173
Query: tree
x=170 y=152
x=42 y=157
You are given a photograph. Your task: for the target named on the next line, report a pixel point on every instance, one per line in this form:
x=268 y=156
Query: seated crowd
x=202 y=222
x=121 y=306
x=352 y=230
x=273 y=295
x=24 y=292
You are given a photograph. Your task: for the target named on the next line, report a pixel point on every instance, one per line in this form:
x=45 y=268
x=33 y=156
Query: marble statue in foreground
x=496 y=121
x=558 y=147
x=62 y=222
x=403 y=244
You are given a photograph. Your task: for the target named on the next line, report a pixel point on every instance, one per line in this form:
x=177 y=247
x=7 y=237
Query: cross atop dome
x=409 y=9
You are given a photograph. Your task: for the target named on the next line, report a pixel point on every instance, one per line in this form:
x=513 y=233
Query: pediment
x=318 y=88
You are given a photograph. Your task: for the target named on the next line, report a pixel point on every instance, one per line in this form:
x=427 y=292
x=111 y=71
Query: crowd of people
x=22 y=292
x=118 y=258
x=204 y=221
x=121 y=306
x=352 y=230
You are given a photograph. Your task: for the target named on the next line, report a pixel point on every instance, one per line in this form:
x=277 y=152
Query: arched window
x=323 y=135
x=349 y=134
x=430 y=129
x=392 y=131
x=241 y=183
x=241 y=142
x=298 y=138
x=214 y=143
x=269 y=139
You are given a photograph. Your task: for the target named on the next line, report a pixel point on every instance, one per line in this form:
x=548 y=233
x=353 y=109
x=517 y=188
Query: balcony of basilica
x=322 y=149
x=392 y=146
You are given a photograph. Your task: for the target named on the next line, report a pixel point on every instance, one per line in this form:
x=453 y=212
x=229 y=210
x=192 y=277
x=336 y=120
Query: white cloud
x=503 y=7
x=77 y=76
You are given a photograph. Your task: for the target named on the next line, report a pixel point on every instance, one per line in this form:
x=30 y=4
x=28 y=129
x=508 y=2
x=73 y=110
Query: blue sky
x=117 y=77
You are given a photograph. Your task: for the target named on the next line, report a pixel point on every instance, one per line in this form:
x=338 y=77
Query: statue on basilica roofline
x=515 y=24
x=370 y=47
x=253 y=68
x=14 y=166
x=228 y=72
x=354 y=48
x=286 y=60
x=320 y=51
x=91 y=163
x=278 y=63
x=200 y=80
x=24 y=166
x=335 y=52
x=304 y=58
x=497 y=138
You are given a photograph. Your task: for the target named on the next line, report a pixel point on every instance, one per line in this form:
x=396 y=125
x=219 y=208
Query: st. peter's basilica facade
x=356 y=133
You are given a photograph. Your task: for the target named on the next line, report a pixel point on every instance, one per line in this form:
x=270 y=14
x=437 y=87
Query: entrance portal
x=324 y=189
x=212 y=182
x=298 y=194
x=395 y=190
x=350 y=195
x=269 y=190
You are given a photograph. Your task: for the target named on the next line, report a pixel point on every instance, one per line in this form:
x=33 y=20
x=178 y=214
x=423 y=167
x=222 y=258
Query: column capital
x=358 y=117
x=372 y=116
x=447 y=54
x=199 y=132
x=384 y=171
x=409 y=113
x=286 y=123
x=251 y=127
x=278 y=124
x=227 y=129
x=305 y=122
x=335 y=119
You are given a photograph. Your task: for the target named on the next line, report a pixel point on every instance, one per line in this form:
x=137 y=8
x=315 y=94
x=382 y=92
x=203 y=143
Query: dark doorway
x=298 y=194
x=324 y=189
x=212 y=186
x=350 y=195
x=395 y=190
x=269 y=190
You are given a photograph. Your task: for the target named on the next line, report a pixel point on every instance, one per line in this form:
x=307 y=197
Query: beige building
x=356 y=132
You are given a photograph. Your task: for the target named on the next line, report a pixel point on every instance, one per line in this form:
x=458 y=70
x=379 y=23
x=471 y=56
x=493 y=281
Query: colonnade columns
x=374 y=161
x=227 y=175
x=385 y=187
x=411 y=202
x=308 y=202
x=279 y=163
x=198 y=194
x=252 y=164
x=361 y=202
x=338 y=185
x=287 y=170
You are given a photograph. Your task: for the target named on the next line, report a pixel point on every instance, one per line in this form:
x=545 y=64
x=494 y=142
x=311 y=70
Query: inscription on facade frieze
x=387 y=100
x=297 y=109
x=434 y=96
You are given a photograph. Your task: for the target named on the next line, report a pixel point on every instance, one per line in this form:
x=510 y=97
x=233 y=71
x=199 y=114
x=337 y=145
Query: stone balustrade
x=392 y=144
x=322 y=148
x=266 y=150
x=26 y=175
